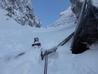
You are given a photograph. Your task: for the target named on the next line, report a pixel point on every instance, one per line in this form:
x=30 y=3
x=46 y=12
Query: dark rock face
x=21 y=11
x=86 y=32
x=76 y=6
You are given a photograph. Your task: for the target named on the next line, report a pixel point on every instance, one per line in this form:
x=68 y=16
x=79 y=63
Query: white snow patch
x=16 y=39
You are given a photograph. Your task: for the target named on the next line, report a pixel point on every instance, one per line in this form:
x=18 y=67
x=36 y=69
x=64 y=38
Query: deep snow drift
x=16 y=39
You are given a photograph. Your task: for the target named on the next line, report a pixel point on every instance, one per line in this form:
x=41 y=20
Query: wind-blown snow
x=16 y=39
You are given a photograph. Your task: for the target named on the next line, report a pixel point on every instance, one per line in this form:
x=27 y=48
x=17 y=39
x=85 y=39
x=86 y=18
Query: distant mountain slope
x=66 y=17
x=21 y=11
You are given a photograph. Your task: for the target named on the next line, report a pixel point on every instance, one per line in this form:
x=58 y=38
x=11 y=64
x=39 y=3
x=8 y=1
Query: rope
x=65 y=40
x=80 y=23
x=46 y=64
x=54 y=49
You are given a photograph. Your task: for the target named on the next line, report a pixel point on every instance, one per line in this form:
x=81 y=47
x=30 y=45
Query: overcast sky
x=48 y=10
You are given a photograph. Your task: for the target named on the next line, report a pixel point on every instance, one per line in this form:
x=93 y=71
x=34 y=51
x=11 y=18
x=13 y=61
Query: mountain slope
x=17 y=56
x=67 y=15
x=21 y=11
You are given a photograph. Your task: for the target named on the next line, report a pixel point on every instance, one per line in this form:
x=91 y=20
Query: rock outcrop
x=76 y=6
x=21 y=11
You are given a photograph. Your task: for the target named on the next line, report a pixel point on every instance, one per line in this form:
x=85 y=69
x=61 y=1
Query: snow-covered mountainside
x=68 y=15
x=21 y=11
x=17 y=56
x=65 y=15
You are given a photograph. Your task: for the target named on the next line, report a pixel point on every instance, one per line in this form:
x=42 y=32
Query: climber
x=36 y=42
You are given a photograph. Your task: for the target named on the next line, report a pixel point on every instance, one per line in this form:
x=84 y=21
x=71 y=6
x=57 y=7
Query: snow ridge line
x=53 y=29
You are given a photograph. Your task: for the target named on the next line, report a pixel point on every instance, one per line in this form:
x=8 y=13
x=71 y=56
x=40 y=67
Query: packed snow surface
x=17 y=56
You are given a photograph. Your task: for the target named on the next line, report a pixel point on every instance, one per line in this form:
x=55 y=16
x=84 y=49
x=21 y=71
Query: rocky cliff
x=21 y=11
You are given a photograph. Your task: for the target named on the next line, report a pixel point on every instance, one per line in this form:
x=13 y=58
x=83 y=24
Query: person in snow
x=36 y=42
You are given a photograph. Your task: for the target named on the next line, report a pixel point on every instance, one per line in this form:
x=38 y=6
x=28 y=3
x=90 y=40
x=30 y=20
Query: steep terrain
x=67 y=15
x=21 y=11
x=17 y=56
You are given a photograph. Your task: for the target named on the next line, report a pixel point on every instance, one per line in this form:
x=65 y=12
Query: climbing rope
x=65 y=40
x=54 y=49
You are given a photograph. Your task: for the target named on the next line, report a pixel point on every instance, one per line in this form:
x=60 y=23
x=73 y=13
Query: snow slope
x=67 y=15
x=16 y=39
